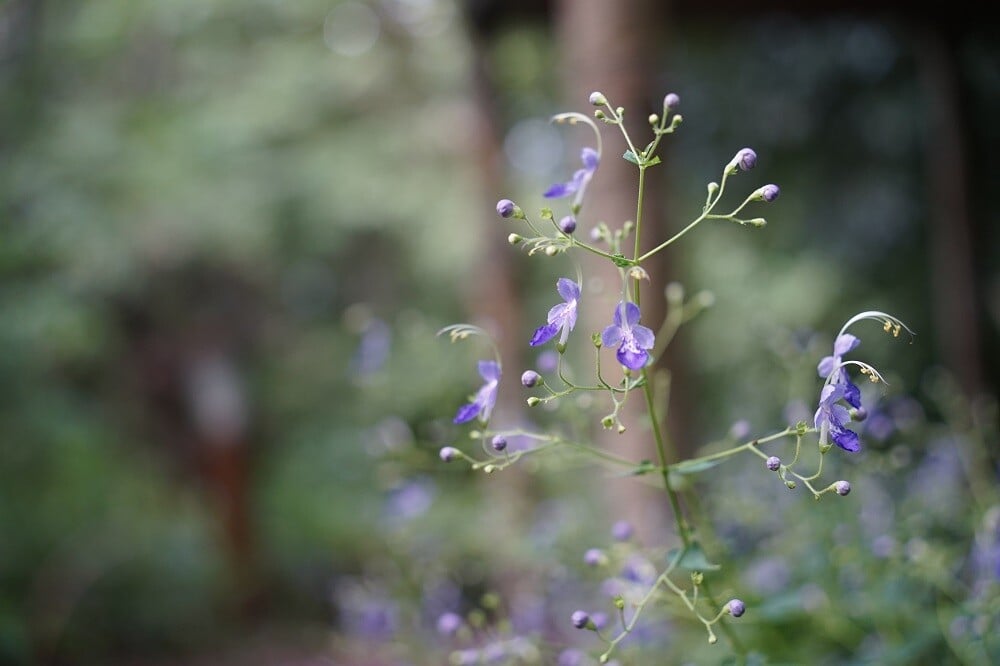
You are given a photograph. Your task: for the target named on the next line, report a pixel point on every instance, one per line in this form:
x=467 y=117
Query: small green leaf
x=693 y=558
x=644 y=467
x=694 y=466
x=630 y=157
x=621 y=261
x=653 y=161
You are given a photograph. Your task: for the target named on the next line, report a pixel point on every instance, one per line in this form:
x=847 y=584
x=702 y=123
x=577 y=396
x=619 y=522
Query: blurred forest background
x=229 y=230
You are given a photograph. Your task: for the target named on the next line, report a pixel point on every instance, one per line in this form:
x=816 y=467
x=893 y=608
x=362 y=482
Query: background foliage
x=229 y=231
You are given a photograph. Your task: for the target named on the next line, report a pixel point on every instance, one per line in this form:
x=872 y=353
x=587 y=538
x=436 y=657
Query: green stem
x=638 y=219
x=661 y=450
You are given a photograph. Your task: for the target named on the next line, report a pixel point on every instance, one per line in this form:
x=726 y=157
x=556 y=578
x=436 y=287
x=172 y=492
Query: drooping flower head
x=833 y=365
x=484 y=400
x=832 y=418
x=632 y=339
x=561 y=316
x=578 y=183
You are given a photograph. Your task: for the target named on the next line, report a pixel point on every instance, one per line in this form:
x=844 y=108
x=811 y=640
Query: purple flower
x=671 y=101
x=580 y=619
x=832 y=418
x=736 y=607
x=843 y=344
x=770 y=192
x=594 y=557
x=831 y=364
x=842 y=487
x=561 y=316
x=773 y=463
x=499 y=443
x=567 y=225
x=632 y=339
x=486 y=397
x=578 y=183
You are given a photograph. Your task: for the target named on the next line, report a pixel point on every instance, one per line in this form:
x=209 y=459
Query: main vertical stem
x=683 y=528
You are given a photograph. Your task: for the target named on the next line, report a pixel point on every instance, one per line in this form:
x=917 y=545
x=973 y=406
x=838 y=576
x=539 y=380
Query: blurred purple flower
x=409 y=500
x=632 y=339
x=578 y=183
x=448 y=624
x=373 y=349
x=548 y=361
x=621 y=530
x=482 y=404
x=561 y=316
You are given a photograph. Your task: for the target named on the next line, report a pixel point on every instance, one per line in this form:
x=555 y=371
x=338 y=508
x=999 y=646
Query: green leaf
x=693 y=559
x=694 y=466
x=644 y=467
x=634 y=159
x=621 y=261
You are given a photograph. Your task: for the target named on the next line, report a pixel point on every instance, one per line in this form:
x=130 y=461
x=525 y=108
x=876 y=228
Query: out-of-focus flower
x=578 y=183
x=484 y=400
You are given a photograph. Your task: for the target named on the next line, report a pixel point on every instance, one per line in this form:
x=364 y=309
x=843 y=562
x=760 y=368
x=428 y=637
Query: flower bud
x=448 y=624
x=505 y=208
x=713 y=187
x=599 y=115
x=598 y=99
x=619 y=602
x=567 y=225
x=581 y=620
x=773 y=463
x=595 y=558
x=705 y=299
x=757 y=222
x=769 y=192
x=449 y=453
x=674 y=293
x=671 y=101
x=859 y=414
x=533 y=401
x=736 y=608
x=530 y=378
x=739 y=429
x=842 y=487
x=514 y=239
x=489 y=469
x=551 y=251
x=746 y=159
x=621 y=531
x=499 y=443
x=790 y=485
x=653 y=119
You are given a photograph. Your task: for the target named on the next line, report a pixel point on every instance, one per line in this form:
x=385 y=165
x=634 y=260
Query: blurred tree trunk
x=611 y=47
x=493 y=303
x=952 y=259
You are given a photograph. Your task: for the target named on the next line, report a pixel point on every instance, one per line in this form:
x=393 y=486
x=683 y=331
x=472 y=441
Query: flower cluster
x=637 y=579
